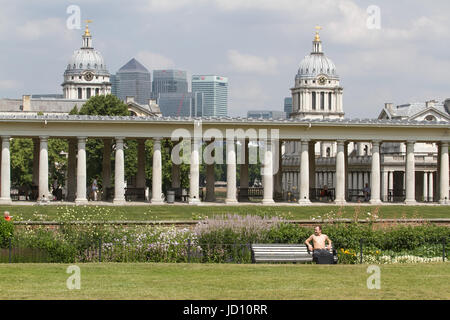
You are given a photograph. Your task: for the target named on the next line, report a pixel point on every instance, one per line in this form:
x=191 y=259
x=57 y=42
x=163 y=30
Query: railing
x=318 y=194
x=102 y=250
x=250 y=192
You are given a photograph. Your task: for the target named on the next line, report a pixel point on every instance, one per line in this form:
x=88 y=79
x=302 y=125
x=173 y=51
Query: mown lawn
x=223 y=281
x=186 y=212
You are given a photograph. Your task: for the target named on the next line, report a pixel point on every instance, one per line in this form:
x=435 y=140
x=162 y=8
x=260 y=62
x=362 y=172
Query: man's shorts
x=322 y=256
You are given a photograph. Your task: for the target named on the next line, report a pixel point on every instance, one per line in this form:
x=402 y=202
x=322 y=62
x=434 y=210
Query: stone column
x=384 y=195
x=346 y=169
x=194 y=172
x=444 y=179
x=5 y=197
x=72 y=170
x=304 y=173
x=425 y=187
x=106 y=167
x=81 y=172
x=267 y=173
x=176 y=178
x=312 y=165
x=340 y=173
x=231 y=171
x=375 y=175
x=410 y=174
x=119 y=175
x=431 y=187
x=157 y=173
x=140 y=175
x=43 y=168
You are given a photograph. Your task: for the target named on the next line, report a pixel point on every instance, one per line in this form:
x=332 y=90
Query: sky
x=384 y=51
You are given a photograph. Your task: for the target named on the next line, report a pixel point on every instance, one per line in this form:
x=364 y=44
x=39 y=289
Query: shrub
x=6 y=232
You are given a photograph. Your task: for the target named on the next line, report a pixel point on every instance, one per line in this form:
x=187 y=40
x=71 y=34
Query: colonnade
x=76 y=186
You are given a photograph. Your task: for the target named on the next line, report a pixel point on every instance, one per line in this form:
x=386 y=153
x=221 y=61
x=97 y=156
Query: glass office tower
x=132 y=80
x=215 y=94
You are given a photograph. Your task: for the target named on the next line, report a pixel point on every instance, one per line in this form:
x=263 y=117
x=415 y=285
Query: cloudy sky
x=257 y=44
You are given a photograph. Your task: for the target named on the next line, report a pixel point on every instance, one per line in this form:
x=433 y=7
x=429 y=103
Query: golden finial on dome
x=318 y=28
x=86 y=31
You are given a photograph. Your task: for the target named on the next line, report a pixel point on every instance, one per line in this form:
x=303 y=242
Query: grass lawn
x=223 y=281
x=186 y=212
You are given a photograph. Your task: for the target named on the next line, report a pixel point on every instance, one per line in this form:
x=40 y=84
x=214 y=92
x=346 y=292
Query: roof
x=133 y=66
x=410 y=110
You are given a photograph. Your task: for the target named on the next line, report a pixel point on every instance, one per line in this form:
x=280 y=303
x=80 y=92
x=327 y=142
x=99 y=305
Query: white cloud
x=9 y=84
x=154 y=61
x=36 y=29
x=246 y=63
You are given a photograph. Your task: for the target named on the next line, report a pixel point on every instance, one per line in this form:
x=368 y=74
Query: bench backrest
x=280 y=253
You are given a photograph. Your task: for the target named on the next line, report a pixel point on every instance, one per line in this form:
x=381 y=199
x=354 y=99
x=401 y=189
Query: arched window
x=81 y=66
x=328 y=152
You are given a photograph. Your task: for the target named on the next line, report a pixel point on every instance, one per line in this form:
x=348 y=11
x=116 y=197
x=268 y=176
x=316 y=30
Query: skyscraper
x=288 y=106
x=215 y=94
x=185 y=104
x=133 y=80
x=169 y=81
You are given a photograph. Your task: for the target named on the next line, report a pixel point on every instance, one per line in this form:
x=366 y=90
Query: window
x=430 y=118
x=329 y=101
x=80 y=93
x=88 y=93
x=322 y=101
x=314 y=101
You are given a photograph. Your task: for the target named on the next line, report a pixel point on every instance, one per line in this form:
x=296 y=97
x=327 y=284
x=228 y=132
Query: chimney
x=26 y=103
x=388 y=105
x=129 y=99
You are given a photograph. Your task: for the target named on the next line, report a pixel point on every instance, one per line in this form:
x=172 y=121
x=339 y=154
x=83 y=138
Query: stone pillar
x=106 y=167
x=410 y=174
x=267 y=173
x=444 y=179
x=5 y=197
x=384 y=194
x=340 y=173
x=140 y=175
x=194 y=172
x=312 y=165
x=346 y=170
x=119 y=175
x=231 y=171
x=431 y=187
x=176 y=174
x=43 y=168
x=304 y=173
x=81 y=172
x=72 y=170
x=425 y=187
x=375 y=176
x=157 y=173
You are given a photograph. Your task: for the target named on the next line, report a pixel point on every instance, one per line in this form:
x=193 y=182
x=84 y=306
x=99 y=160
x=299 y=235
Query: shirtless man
x=319 y=243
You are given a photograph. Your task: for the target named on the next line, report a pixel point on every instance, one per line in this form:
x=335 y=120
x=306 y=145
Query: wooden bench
x=291 y=253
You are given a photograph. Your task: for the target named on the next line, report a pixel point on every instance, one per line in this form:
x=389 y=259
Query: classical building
x=85 y=76
x=317 y=94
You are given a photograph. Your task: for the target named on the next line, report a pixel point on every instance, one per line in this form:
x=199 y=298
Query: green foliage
x=6 y=232
x=108 y=105
x=21 y=151
x=74 y=111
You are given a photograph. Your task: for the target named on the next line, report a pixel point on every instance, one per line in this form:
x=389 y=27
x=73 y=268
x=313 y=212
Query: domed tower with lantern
x=86 y=74
x=317 y=93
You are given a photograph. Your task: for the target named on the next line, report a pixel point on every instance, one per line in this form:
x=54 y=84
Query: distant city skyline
x=406 y=60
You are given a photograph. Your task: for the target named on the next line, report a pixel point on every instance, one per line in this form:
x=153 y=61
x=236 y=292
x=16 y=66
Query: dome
x=85 y=59
x=315 y=64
